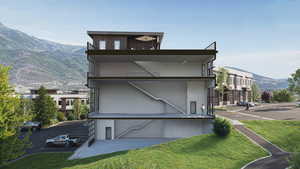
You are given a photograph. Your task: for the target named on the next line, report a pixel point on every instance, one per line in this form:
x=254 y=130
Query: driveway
x=280 y=111
x=74 y=128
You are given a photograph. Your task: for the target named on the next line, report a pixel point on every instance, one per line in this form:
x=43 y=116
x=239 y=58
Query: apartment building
x=139 y=90
x=63 y=99
x=237 y=90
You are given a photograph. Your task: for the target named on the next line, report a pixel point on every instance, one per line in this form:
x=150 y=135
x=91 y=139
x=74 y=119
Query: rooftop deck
x=124 y=116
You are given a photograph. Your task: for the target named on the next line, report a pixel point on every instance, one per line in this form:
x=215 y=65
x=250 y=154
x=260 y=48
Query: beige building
x=237 y=90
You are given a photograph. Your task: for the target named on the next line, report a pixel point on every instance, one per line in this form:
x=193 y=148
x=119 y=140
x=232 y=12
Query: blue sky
x=262 y=36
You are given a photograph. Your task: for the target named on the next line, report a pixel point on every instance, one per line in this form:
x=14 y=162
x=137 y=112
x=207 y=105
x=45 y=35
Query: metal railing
x=135 y=127
x=158 y=98
x=212 y=46
x=90 y=46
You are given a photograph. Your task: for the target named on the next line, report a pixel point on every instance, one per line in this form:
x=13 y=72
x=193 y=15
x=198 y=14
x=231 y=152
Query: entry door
x=193 y=107
x=108 y=133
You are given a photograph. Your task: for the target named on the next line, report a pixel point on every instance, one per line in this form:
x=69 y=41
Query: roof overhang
x=124 y=116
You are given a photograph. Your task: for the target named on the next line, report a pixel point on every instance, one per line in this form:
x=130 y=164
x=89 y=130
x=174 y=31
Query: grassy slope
x=205 y=151
x=285 y=134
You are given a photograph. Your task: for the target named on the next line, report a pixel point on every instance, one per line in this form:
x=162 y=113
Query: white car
x=63 y=140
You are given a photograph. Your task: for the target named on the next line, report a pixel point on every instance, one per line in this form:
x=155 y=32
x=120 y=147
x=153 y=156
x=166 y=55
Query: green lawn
x=199 y=152
x=285 y=134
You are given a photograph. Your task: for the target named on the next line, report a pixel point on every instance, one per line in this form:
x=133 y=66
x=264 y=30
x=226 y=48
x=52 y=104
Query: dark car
x=30 y=125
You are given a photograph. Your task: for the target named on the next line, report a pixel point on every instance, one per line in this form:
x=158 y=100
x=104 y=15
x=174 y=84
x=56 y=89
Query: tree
x=11 y=118
x=282 y=96
x=222 y=80
x=266 y=97
x=77 y=109
x=255 y=92
x=294 y=82
x=84 y=111
x=44 y=107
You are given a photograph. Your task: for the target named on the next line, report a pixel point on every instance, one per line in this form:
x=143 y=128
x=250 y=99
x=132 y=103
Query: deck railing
x=90 y=46
x=212 y=46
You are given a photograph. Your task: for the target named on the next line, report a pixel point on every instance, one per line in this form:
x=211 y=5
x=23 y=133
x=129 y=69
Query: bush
x=295 y=161
x=282 y=96
x=222 y=127
x=61 y=116
x=71 y=116
x=266 y=97
x=83 y=116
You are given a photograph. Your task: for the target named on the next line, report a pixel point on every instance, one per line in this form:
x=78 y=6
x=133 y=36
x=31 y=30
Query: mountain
x=36 y=61
x=266 y=83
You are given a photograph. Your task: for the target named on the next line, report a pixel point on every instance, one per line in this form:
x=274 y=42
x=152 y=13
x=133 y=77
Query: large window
x=117 y=44
x=102 y=44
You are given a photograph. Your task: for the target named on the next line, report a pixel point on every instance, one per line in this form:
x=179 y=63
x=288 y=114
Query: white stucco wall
x=157 y=68
x=197 y=91
x=169 y=128
x=123 y=98
x=100 y=128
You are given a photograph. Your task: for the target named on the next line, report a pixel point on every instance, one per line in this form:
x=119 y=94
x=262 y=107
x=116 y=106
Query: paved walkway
x=110 y=146
x=278 y=158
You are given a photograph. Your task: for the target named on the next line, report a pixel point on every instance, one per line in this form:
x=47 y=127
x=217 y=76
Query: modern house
x=63 y=99
x=237 y=90
x=138 y=90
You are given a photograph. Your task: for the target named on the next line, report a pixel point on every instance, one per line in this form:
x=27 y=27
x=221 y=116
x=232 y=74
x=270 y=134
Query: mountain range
x=36 y=62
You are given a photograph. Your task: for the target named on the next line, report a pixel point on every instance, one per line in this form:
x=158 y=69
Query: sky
x=261 y=36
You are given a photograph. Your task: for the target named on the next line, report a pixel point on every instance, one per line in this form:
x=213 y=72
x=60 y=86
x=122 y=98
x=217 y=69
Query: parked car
x=241 y=103
x=63 y=140
x=30 y=125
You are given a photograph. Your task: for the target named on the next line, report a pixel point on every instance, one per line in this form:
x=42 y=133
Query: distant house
x=64 y=99
x=139 y=90
x=237 y=90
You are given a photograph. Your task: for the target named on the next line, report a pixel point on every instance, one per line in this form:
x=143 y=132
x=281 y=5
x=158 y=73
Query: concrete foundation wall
x=157 y=128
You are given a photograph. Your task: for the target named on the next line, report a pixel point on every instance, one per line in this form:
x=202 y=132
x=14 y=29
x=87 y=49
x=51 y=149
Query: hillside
x=266 y=83
x=35 y=61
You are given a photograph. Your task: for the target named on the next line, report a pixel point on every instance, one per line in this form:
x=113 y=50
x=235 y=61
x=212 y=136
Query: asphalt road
x=73 y=128
x=279 y=111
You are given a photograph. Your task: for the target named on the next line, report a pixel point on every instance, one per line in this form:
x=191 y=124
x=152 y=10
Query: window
x=117 y=44
x=59 y=102
x=102 y=44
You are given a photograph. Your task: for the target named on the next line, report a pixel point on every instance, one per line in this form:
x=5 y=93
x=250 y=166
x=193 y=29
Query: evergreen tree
x=44 y=106
x=11 y=118
x=77 y=109
x=294 y=82
x=256 y=93
x=222 y=81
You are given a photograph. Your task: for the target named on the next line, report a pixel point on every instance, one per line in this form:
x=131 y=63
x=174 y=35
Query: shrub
x=83 y=116
x=282 y=96
x=71 y=116
x=222 y=127
x=295 y=161
x=61 y=116
x=266 y=97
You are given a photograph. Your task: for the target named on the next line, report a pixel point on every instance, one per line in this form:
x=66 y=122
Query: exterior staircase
x=147 y=93
x=135 y=127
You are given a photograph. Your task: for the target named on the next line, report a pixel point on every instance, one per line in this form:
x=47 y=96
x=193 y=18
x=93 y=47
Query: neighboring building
x=64 y=100
x=238 y=88
x=138 y=90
